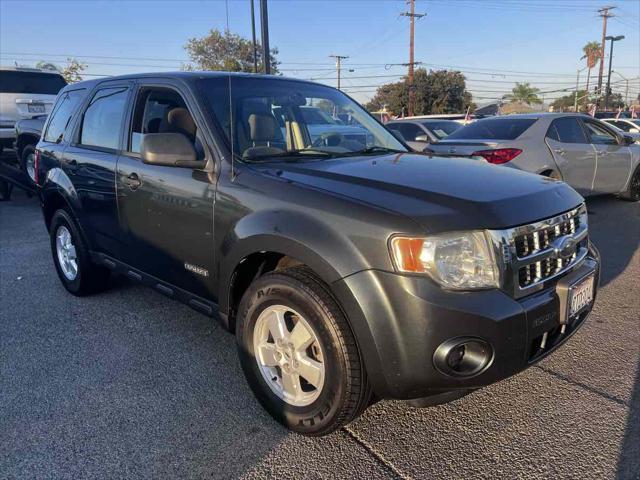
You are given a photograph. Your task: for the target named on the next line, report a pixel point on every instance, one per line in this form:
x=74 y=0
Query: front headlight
x=458 y=261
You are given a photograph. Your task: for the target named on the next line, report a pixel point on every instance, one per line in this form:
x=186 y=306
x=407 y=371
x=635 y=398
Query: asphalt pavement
x=129 y=384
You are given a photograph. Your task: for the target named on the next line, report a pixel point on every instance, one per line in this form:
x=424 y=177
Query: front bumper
x=399 y=321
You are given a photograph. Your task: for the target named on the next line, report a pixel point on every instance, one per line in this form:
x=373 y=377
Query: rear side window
x=31 y=82
x=62 y=114
x=504 y=128
x=566 y=130
x=102 y=121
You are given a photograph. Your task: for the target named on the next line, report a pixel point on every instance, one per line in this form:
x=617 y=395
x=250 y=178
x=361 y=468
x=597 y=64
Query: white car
x=25 y=93
x=630 y=126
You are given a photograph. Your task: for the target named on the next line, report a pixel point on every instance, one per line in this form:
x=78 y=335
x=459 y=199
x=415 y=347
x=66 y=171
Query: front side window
x=162 y=110
x=566 y=130
x=624 y=126
x=62 y=114
x=503 y=128
x=600 y=135
x=103 y=118
x=409 y=131
x=264 y=119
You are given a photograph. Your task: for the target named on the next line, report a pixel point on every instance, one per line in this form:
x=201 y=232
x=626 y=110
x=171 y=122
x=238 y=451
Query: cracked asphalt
x=129 y=384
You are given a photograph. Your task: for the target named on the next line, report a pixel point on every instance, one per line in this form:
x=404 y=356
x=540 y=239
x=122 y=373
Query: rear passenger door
x=90 y=162
x=166 y=212
x=613 y=158
x=572 y=152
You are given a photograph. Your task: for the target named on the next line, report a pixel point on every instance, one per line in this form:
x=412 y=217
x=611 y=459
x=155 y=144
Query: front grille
x=536 y=253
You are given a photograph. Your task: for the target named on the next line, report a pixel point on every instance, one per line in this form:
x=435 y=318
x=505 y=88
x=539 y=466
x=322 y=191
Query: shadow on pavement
x=629 y=462
x=616 y=241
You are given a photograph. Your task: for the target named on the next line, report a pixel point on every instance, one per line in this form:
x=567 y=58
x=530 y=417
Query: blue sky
x=494 y=42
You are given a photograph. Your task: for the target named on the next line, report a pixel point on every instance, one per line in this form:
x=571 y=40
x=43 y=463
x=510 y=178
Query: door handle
x=133 y=181
x=559 y=151
x=602 y=153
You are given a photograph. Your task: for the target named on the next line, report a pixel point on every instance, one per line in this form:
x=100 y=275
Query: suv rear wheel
x=27 y=162
x=299 y=354
x=71 y=257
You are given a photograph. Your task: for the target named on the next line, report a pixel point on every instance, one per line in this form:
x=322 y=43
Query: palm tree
x=592 y=52
x=524 y=93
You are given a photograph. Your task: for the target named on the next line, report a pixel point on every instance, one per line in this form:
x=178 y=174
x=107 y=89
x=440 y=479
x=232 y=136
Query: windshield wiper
x=376 y=149
x=297 y=154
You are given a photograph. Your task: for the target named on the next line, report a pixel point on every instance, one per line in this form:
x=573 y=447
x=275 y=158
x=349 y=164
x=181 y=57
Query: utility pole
x=339 y=59
x=604 y=13
x=264 y=25
x=253 y=38
x=612 y=40
x=412 y=16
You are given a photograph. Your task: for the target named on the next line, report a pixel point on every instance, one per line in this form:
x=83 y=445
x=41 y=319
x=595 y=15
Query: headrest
x=181 y=121
x=263 y=127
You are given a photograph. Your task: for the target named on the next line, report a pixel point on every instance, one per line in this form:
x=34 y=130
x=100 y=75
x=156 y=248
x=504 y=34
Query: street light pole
x=606 y=95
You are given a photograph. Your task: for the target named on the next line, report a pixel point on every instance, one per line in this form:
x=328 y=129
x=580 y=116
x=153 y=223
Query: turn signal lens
x=499 y=155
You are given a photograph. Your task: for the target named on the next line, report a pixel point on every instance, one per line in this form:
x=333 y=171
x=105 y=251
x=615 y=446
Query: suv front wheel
x=79 y=275
x=299 y=354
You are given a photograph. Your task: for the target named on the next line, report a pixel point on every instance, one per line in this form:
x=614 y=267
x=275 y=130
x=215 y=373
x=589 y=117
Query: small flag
x=634 y=114
x=619 y=112
x=592 y=110
x=467 y=116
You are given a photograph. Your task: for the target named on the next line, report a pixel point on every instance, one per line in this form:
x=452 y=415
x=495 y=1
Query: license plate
x=581 y=295
x=35 y=108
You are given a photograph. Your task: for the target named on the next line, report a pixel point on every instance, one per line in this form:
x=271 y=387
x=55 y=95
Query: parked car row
x=348 y=267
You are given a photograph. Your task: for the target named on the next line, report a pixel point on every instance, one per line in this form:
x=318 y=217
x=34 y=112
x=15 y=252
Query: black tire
x=90 y=278
x=346 y=392
x=633 y=192
x=24 y=160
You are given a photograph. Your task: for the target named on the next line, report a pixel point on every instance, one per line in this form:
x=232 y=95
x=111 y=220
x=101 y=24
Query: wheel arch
x=25 y=139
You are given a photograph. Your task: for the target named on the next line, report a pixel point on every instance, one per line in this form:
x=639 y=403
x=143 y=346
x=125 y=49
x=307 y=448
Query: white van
x=25 y=93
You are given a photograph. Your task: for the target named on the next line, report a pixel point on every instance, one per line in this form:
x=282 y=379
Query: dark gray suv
x=349 y=268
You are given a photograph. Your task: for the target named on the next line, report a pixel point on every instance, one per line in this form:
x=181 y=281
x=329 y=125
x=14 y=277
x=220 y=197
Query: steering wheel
x=329 y=139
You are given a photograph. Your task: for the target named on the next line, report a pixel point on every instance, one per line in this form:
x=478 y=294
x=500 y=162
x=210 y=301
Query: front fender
x=329 y=253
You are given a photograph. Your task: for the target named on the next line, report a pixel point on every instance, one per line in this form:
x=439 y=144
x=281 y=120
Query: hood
x=438 y=193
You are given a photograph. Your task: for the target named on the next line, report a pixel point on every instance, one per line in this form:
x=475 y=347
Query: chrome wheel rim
x=66 y=252
x=289 y=355
x=30 y=164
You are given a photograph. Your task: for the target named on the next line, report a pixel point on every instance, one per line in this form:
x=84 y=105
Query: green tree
x=435 y=91
x=524 y=93
x=72 y=72
x=225 y=51
x=42 y=65
x=567 y=101
x=592 y=53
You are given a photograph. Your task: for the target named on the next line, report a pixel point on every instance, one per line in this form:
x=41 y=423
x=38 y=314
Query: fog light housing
x=463 y=356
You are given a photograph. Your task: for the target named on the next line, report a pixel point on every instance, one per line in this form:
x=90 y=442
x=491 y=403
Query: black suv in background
x=349 y=268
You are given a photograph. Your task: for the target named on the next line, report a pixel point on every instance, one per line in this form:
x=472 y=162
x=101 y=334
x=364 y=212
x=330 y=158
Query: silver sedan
x=586 y=153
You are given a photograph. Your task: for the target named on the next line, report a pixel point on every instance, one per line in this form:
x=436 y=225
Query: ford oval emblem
x=565 y=247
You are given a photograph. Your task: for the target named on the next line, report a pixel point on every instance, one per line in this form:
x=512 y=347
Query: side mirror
x=423 y=139
x=169 y=149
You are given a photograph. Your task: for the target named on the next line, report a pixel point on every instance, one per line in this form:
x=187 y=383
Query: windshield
x=442 y=128
x=503 y=128
x=31 y=82
x=266 y=118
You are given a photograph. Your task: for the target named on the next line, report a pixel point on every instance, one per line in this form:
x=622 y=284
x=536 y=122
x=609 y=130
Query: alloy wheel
x=66 y=252
x=289 y=355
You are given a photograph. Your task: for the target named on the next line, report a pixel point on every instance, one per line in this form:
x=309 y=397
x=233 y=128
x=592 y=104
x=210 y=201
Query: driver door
x=166 y=212
x=613 y=158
